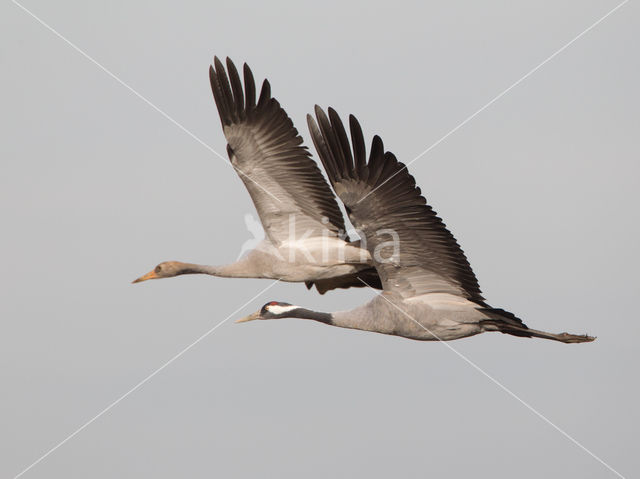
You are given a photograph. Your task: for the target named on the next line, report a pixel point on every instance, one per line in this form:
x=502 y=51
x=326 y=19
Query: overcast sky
x=97 y=187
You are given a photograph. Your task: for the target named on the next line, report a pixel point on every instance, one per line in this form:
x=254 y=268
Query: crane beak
x=149 y=275
x=251 y=317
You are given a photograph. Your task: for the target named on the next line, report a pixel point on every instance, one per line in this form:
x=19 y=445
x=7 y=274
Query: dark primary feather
x=367 y=277
x=267 y=151
x=429 y=260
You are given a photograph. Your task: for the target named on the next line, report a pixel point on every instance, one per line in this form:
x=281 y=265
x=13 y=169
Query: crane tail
x=508 y=323
x=523 y=331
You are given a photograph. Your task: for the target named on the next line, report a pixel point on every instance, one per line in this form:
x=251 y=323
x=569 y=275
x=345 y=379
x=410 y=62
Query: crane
x=305 y=238
x=429 y=291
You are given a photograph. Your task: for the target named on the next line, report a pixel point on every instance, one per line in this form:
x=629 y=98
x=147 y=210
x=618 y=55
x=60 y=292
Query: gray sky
x=540 y=189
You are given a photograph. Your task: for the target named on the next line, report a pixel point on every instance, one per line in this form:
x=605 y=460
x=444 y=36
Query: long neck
x=342 y=319
x=302 y=313
x=358 y=318
x=241 y=269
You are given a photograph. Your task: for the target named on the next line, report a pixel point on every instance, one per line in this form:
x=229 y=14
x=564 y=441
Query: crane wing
x=426 y=258
x=266 y=150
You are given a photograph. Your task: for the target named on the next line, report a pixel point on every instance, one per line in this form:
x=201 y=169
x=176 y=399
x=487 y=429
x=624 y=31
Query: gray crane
x=305 y=239
x=429 y=289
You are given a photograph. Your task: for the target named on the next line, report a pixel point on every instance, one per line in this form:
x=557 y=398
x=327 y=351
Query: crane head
x=167 y=269
x=271 y=310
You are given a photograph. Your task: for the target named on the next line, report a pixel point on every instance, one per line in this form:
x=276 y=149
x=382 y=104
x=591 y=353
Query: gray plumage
x=305 y=231
x=429 y=289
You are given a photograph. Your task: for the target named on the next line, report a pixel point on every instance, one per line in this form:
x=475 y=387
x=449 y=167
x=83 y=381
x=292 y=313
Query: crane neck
x=341 y=319
x=303 y=313
x=358 y=318
x=234 y=270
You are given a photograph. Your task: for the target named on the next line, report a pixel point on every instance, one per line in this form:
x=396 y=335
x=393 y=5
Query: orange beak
x=150 y=275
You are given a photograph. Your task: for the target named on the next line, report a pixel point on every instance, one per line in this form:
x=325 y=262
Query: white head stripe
x=277 y=309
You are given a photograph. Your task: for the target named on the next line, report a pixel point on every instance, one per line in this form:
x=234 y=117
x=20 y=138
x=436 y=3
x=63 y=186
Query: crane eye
x=158 y=269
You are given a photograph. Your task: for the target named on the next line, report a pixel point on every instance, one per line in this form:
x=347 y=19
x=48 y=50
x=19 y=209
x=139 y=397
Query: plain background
x=540 y=189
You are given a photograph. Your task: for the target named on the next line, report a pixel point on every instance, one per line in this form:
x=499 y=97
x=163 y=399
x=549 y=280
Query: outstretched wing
x=411 y=247
x=266 y=150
